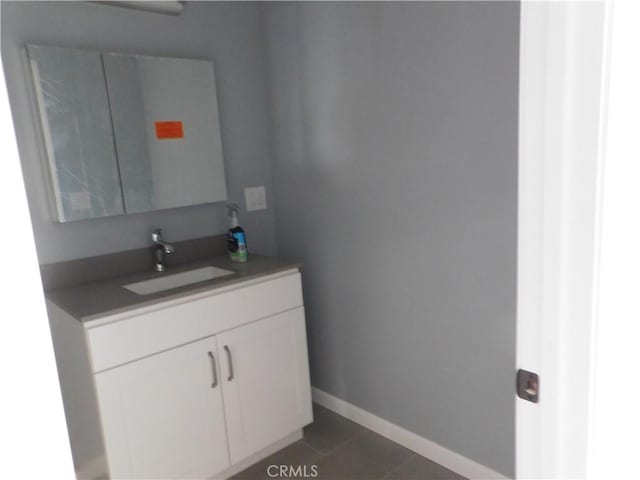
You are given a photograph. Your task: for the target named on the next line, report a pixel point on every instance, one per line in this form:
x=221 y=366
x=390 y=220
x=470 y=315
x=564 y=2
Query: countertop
x=90 y=301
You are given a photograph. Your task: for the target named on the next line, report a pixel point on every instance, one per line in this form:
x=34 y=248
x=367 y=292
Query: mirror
x=165 y=123
x=74 y=108
x=156 y=117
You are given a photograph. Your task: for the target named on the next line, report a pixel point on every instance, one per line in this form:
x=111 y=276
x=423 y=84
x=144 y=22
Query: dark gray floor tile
x=329 y=430
x=297 y=454
x=338 y=449
x=421 y=468
x=368 y=456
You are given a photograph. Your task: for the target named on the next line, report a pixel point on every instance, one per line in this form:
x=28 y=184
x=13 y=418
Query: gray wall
x=228 y=34
x=395 y=172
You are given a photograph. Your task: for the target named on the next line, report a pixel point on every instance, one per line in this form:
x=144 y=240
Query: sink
x=167 y=282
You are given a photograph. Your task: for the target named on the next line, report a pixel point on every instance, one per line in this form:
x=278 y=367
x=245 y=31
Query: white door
x=563 y=66
x=163 y=415
x=265 y=377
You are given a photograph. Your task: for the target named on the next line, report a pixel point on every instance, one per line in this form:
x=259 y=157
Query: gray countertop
x=90 y=301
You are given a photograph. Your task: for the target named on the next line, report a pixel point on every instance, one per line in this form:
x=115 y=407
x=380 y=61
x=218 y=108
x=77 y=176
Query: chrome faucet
x=160 y=249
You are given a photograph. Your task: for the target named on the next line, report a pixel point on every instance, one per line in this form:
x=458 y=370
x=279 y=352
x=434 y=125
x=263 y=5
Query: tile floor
x=341 y=449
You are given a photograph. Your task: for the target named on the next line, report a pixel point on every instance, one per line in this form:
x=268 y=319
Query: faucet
x=160 y=248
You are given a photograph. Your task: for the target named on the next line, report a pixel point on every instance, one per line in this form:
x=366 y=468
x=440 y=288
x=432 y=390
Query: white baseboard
x=453 y=461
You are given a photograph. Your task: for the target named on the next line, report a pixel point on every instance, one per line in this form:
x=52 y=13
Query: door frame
x=563 y=67
x=614 y=415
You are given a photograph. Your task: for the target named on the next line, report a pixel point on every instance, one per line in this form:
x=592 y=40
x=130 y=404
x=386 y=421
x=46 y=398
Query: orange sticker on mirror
x=166 y=130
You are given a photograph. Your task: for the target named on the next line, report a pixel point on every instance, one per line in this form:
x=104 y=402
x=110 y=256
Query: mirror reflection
x=74 y=108
x=165 y=123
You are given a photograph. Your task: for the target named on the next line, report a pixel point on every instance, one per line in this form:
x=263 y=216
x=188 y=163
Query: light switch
x=255 y=198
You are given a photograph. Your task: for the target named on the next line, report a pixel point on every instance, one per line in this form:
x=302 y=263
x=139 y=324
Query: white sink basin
x=176 y=280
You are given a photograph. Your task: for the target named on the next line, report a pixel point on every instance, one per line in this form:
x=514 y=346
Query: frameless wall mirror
x=162 y=128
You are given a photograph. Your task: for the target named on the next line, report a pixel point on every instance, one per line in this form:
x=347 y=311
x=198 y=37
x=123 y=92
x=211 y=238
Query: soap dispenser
x=236 y=238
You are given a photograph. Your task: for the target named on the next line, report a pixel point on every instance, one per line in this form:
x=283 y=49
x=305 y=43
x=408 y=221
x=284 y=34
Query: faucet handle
x=156 y=236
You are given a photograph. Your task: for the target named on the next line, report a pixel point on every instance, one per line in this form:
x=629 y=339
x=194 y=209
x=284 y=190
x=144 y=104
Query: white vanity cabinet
x=193 y=387
x=265 y=381
x=161 y=417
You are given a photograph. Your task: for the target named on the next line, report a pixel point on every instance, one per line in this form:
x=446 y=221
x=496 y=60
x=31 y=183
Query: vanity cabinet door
x=265 y=377
x=163 y=415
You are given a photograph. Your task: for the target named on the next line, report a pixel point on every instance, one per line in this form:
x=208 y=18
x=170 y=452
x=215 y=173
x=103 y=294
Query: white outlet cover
x=255 y=198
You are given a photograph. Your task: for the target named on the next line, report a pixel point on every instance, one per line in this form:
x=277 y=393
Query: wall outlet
x=255 y=198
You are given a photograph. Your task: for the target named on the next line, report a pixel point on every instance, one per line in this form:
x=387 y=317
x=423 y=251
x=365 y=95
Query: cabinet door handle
x=213 y=368
x=226 y=349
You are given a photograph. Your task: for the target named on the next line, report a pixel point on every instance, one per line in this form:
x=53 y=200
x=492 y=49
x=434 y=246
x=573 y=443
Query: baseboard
x=453 y=461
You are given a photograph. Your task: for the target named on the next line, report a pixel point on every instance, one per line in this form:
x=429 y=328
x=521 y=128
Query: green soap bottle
x=237 y=239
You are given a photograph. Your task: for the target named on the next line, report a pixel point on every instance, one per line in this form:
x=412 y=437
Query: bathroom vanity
x=195 y=381
x=195 y=372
